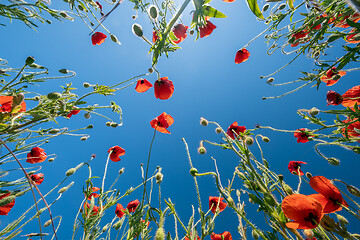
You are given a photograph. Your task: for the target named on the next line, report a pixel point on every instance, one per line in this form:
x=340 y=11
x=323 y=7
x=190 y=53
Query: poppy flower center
x=311 y=218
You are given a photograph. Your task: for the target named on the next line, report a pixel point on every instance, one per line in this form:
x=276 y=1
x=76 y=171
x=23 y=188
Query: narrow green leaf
x=212 y=12
x=290 y=3
x=254 y=7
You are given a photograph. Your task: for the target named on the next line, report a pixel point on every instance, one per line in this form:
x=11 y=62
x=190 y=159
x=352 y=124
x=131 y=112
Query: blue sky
x=207 y=84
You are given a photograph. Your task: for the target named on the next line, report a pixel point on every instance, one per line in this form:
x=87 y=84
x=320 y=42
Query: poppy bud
x=114 y=124
x=64 y=189
x=87 y=115
x=288 y=189
x=238 y=193
x=114 y=38
x=51 y=159
x=308 y=175
x=353 y=190
x=266 y=139
x=314 y=111
x=64 y=14
x=64 y=71
x=90 y=126
x=153 y=12
x=266 y=7
x=47 y=223
x=133 y=17
x=230 y=201
x=54 y=131
x=36 y=98
x=29 y=60
x=281 y=177
x=333 y=161
x=191 y=32
x=160 y=234
x=48 y=21
x=150 y=70
x=121 y=171
x=117 y=225
x=249 y=141
x=254 y=234
x=86 y=84
x=84 y=138
x=204 y=122
x=105 y=228
x=37 y=66
x=193 y=172
x=159 y=177
x=54 y=95
x=80 y=7
x=282 y=6
x=108 y=124
x=270 y=80
x=137 y=30
x=201 y=150
x=218 y=130
x=342 y=219
x=70 y=172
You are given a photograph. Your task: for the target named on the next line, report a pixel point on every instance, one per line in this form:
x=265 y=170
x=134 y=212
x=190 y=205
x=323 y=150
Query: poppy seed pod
x=54 y=95
x=150 y=70
x=29 y=60
x=137 y=30
x=193 y=172
x=353 y=190
x=153 y=12
x=333 y=161
x=314 y=111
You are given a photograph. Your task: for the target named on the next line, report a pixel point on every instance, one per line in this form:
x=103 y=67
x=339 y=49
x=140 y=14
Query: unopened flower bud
x=133 y=17
x=36 y=98
x=90 y=126
x=47 y=223
x=266 y=139
x=314 y=111
x=87 y=115
x=150 y=70
x=342 y=219
x=333 y=161
x=54 y=95
x=204 y=122
x=70 y=172
x=254 y=234
x=105 y=228
x=218 y=130
x=153 y=12
x=86 y=84
x=230 y=201
x=84 y=138
x=159 y=177
x=308 y=175
x=64 y=71
x=287 y=189
x=64 y=14
x=356 y=150
x=54 y=131
x=353 y=190
x=137 y=30
x=282 y=6
x=160 y=234
x=108 y=124
x=114 y=124
x=193 y=171
x=29 y=60
x=64 y=189
x=201 y=150
x=117 y=225
x=281 y=177
x=191 y=32
x=51 y=159
x=270 y=80
x=113 y=38
x=121 y=171
x=249 y=141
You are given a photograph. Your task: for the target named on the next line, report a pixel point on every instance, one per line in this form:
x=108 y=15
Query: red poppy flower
x=164 y=88
x=330 y=197
x=241 y=56
x=36 y=155
x=332 y=76
x=353 y=129
x=73 y=112
x=162 y=122
x=7 y=105
x=301 y=135
x=120 y=210
x=214 y=202
x=93 y=194
x=133 y=205
x=350 y=38
x=142 y=85
x=228 y=1
x=94 y=211
x=37 y=178
x=235 y=128
x=304 y=210
x=115 y=153
x=5 y=209
x=155 y=36
x=207 y=29
x=299 y=37
x=191 y=238
x=147 y=223
x=180 y=32
x=351 y=96
x=222 y=236
x=343 y=23
x=98 y=38
x=333 y=98
x=294 y=167
x=99 y=5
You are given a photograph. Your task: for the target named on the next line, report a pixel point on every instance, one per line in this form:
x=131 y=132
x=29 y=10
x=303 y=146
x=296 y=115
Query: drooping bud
x=86 y=84
x=204 y=122
x=333 y=161
x=150 y=70
x=64 y=71
x=342 y=219
x=64 y=189
x=70 y=172
x=153 y=12
x=108 y=124
x=266 y=139
x=282 y=6
x=308 y=175
x=249 y=141
x=51 y=159
x=314 y=111
x=193 y=171
x=121 y=171
x=117 y=225
x=114 y=38
x=281 y=177
x=287 y=189
x=201 y=149
x=218 y=130
x=270 y=80
x=87 y=115
x=84 y=138
x=90 y=126
x=159 y=177
x=265 y=7
x=353 y=190
x=54 y=95
x=29 y=60
x=114 y=124
x=105 y=228
x=308 y=233
x=137 y=30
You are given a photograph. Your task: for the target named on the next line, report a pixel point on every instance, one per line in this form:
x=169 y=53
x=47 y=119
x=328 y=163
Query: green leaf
x=290 y=3
x=254 y=7
x=353 y=24
x=212 y=12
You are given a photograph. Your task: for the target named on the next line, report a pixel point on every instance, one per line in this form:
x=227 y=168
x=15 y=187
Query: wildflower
x=235 y=128
x=192 y=238
x=133 y=205
x=350 y=38
x=164 y=88
x=222 y=236
x=333 y=98
x=73 y=112
x=142 y=85
x=5 y=209
x=351 y=96
x=7 y=105
x=207 y=29
x=332 y=76
x=155 y=36
x=36 y=155
x=115 y=153
x=37 y=178
x=343 y=23
x=120 y=210
x=215 y=203
x=299 y=37
x=98 y=38
x=304 y=210
x=329 y=196
x=162 y=122
x=94 y=211
x=301 y=135
x=353 y=129
x=180 y=32
x=242 y=55
x=93 y=194
x=294 y=167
